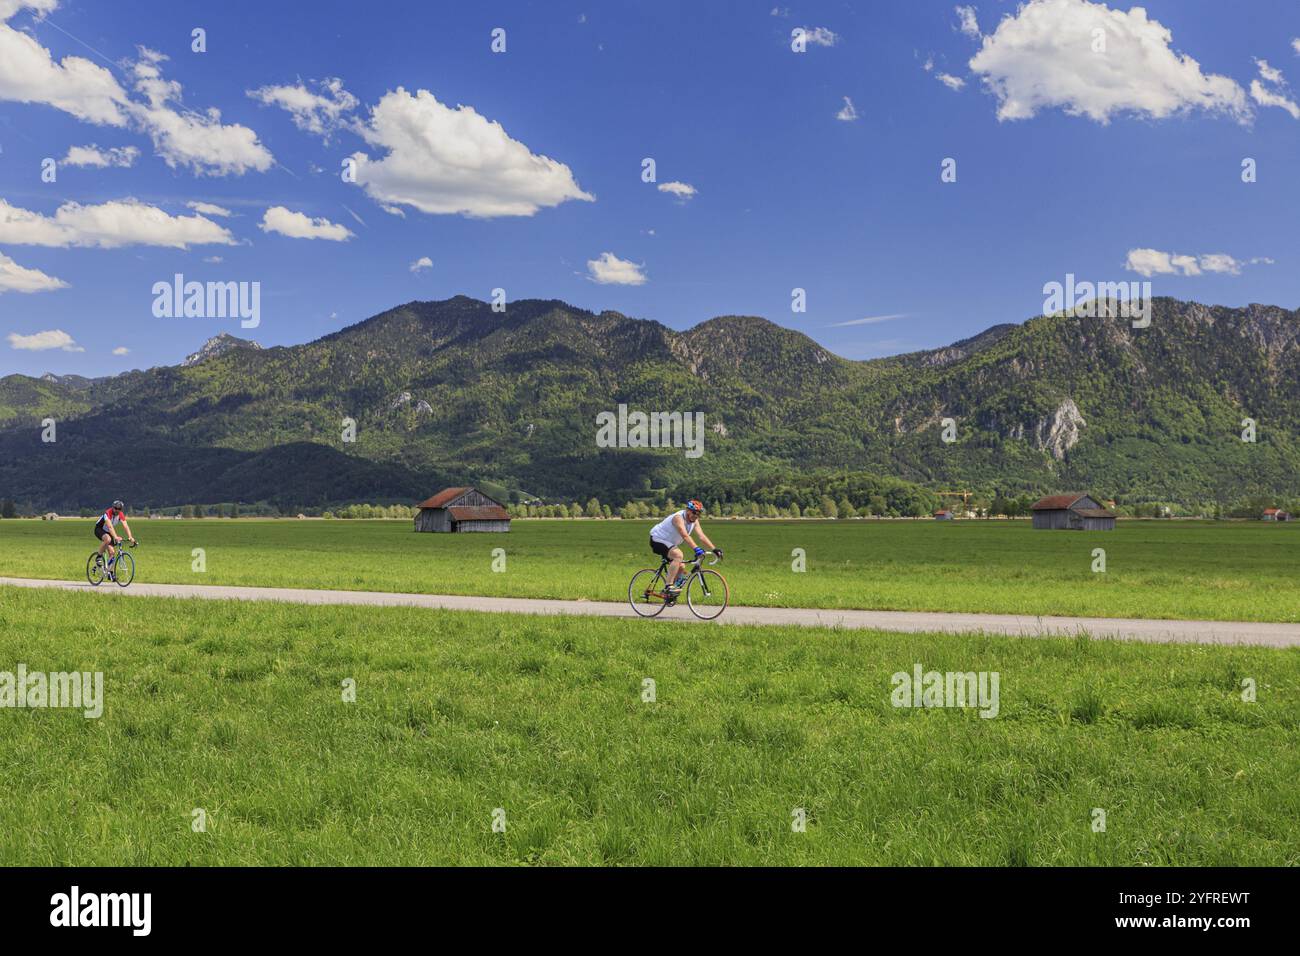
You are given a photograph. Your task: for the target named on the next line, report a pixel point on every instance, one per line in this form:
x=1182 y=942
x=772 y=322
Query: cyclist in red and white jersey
x=105 y=530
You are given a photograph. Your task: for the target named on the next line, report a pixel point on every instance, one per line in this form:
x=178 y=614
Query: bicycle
x=706 y=590
x=122 y=573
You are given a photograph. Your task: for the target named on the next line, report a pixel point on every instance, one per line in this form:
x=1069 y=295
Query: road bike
x=121 y=573
x=706 y=590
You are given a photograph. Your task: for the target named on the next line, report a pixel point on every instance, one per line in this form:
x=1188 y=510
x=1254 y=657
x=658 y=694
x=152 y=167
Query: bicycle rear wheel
x=644 y=592
x=707 y=594
x=124 y=569
x=95 y=569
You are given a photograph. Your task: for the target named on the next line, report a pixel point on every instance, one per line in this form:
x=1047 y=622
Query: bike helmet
x=118 y=505
x=695 y=505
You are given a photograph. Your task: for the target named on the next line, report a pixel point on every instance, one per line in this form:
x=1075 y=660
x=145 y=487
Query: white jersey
x=665 y=532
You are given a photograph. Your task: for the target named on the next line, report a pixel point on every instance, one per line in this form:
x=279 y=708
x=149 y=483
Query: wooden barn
x=462 y=509
x=1072 y=512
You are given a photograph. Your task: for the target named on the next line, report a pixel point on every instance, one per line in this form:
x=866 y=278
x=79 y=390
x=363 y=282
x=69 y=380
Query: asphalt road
x=1159 y=631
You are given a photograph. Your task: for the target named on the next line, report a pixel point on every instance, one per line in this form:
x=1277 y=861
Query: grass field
x=237 y=709
x=1159 y=569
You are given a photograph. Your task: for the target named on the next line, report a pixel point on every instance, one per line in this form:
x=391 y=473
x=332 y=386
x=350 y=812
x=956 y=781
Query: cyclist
x=104 y=531
x=669 y=533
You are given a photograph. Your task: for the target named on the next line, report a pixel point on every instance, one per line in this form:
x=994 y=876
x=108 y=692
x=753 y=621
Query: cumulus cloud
x=189 y=139
x=44 y=341
x=819 y=36
x=183 y=138
x=969 y=25
x=75 y=85
x=92 y=155
x=1295 y=45
x=954 y=83
x=609 y=269
x=320 y=112
x=424 y=262
x=682 y=191
x=15 y=278
x=848 y=113
x=296 y=225
x=1271 y=89
x=108 y=225
x=121 y=350
x=1149 y=262
x=213 y=260
x=442 y=160
x=208 y=209
x=1043 y=58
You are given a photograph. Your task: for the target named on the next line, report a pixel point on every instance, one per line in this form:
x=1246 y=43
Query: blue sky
x=1115 y=164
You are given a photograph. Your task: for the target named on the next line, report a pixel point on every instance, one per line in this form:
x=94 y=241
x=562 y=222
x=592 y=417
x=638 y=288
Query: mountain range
x=452 y=392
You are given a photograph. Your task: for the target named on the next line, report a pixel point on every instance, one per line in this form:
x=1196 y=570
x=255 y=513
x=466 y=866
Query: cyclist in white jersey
x=669 y=533
x=106 y=530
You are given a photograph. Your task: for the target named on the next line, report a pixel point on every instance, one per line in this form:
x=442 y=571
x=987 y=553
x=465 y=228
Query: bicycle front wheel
x=645 y=592
x=707 y=594
x=95 y=569
x=124 y=569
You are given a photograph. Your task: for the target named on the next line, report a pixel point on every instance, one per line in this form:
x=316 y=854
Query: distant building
x=1276 y=514
x=1072 y=512
x=462 y=509
x=943 y=515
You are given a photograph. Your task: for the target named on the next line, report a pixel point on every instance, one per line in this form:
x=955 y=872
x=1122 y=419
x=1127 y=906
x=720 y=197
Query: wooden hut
x=462 y=509
x=1072 y=512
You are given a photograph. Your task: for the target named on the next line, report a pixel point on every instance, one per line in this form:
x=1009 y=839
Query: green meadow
x=238 y=710
x=1160 y=569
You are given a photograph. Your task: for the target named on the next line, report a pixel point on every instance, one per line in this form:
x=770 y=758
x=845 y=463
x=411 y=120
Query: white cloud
x=121 y=350
x=954 y=83
x=424 y=262
x=109 y=225
x=820 y=36
x=198 y=141
x=682 y=191
x=609 y=269
x=91 y=93
x=320 y=112
x=92 y=155
x=848 y=113
x=1278 y=95
x=928 y=65
x=969 y=25
x=448 y=161
x=15 y=278
x=1042 y=57
x=780 y=11
x=296 y=225
x=29 y=74
x=1295 y=45
x=44 y=341
x=869 y=320
x=208 y=209
x=213 y=260
x=1149 y=262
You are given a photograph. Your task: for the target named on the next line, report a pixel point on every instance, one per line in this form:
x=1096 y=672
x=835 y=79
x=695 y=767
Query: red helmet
x=694 y=505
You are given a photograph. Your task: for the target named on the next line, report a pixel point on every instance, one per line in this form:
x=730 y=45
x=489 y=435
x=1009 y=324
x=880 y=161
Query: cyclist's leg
x=674 y=566
x=106 y=544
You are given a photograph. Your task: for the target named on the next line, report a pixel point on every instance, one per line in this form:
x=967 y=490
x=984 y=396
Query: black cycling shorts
x=659 y=548
x=100 y=531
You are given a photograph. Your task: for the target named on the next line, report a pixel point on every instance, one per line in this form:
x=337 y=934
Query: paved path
x=1217 y=632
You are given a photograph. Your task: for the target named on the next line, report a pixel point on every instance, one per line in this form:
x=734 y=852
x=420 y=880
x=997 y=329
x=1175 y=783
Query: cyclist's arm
x=127 y=528
x=703 y=537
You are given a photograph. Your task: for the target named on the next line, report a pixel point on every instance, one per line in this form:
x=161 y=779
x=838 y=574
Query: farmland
x=236 y=710
x=1154 y=569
